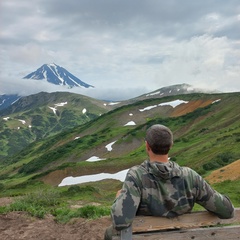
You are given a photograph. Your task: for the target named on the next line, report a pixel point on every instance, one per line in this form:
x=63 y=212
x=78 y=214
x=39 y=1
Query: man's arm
x=213 y=201
x=126 y=204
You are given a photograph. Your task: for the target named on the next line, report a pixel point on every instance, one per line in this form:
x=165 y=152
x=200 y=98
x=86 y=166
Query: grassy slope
x=40 y=120
x=208 y=134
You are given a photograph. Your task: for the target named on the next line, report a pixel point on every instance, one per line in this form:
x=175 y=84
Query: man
x=160 y=187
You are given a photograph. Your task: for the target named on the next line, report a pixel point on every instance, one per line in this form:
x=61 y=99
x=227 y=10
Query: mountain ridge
x=44 y=114
x=159 y=93
x=7 y=100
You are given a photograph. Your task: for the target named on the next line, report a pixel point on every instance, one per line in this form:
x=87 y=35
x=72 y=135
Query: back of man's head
x=159 y=139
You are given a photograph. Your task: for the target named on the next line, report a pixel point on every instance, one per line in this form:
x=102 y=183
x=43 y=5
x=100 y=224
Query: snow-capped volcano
x=57 y=75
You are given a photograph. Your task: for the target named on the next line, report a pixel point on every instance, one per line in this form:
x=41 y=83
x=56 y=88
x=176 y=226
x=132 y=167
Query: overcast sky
x=123 y=47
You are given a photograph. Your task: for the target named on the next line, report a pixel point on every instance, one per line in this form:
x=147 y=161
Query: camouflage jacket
x=165 y=189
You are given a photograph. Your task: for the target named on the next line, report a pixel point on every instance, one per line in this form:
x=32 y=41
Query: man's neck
x=158 y=158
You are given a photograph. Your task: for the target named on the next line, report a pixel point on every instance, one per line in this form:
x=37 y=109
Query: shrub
x=37 y=203
x=90 y=211
x=77 y=189
x=220 y=160
x=33 y=210
x=73 y=189
x=63 y=215
x=4 y=209
x=2 y=186
x=174 y=159
x=42 y=202
x=45 y=198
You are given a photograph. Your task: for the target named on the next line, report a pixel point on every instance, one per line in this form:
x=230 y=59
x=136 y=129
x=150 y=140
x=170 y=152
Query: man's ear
x=147 y=146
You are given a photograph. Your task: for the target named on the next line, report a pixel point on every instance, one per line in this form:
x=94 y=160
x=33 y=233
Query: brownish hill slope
x=190 y=107
x=229 y=172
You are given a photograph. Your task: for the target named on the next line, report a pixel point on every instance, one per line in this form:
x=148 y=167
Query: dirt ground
x=19 y=225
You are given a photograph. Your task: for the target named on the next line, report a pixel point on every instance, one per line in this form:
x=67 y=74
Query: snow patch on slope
x=93 y=178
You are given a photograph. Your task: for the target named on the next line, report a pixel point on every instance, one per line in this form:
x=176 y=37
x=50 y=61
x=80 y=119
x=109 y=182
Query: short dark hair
x=159 y=139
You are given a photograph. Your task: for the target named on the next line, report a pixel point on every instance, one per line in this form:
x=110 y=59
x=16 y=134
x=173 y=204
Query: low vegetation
x=50 y=201
x=88 y=201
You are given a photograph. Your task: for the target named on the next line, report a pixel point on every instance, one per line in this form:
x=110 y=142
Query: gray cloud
x=125 y=46
x=154 y=17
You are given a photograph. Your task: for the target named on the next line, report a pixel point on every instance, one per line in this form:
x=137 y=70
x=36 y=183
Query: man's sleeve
x=126 y=204
x=213 y=201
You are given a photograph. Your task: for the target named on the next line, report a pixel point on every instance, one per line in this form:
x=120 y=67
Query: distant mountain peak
x=57 y=75
x=52 y=64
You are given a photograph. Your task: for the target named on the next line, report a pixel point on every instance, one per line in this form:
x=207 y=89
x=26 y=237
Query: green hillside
x=42 y=115
x=206 y=137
